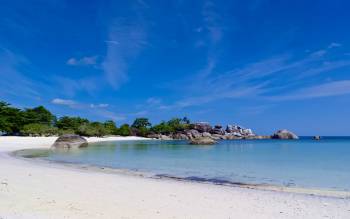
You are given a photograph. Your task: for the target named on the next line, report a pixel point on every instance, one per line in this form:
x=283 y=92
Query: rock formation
x=231 y=132
x=202 y=141
x=202 y=127
x=284 y=134
x=317 y=137
x=70 y=141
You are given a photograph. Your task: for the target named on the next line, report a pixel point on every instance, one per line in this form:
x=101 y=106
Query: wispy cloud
x=124 y=43
x=334 y=88
x=114 y=42
x=153 y=101
x=70 y=87
x=101 y=105
x=319 y=53
x=74 y=104
x=101 y=109
x=13 y=81
x=261 y=79
x=63 y=102
x=87 y=60
x=212 y=20
x=333 y=45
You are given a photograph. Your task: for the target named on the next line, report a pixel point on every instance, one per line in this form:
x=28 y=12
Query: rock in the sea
x=202 y=141
x=233 y=128
x=202 y=127
x=192 y=133
x=153 y=135
x=317 y=137
x=257 y=137
x=206 y=134
x=218 y=130
x=218 y=137
x=232 y=137
x=70 y=141
x=165 y=137
x=248 y=132
x=284 y=134
x=236 y=134
x=180 y=136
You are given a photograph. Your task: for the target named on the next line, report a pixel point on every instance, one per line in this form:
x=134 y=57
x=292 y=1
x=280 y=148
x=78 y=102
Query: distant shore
x=32 y=190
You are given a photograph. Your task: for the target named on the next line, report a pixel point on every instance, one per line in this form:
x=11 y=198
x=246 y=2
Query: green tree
x=110 y=127
x=185 y=120
x=70 y=123
x=92 y=129
x=39 y=115
x=36 y=129
x=124 y=130
x=141 y=122
x=100 y=129
x=11 y=118
x=162 y=128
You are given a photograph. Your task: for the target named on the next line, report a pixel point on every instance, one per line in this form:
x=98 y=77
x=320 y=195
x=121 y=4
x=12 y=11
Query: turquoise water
x=304 y=163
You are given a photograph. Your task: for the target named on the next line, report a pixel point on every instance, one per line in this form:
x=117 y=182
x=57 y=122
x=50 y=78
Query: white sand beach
x=36 y=190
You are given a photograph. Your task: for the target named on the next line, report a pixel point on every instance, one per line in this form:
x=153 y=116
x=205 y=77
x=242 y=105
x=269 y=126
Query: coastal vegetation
x=39 y=121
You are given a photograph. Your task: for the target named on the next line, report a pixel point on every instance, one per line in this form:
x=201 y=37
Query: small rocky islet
x=203 y=132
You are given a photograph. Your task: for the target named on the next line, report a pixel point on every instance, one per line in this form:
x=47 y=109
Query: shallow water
x=304 y=163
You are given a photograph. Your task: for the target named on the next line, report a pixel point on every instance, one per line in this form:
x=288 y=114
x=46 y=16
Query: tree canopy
x=39 y=121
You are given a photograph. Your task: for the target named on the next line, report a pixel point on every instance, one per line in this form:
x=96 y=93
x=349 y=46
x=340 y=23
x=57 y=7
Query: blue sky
x=262 y=64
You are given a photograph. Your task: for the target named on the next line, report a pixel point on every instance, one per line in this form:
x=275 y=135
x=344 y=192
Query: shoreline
x=266 y=203
x=327 y=193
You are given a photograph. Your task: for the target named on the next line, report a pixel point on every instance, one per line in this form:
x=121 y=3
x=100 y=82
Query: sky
x=265 y=65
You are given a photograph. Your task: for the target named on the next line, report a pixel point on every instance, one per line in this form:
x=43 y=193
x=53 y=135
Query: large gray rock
x=257 y=137
x=206 y=134
x=160 y=136
x=232 y=137
x=202 y=127
x=165 y=137
x=70 y=141
x=218 y=137
x=233 y=128
x=236 y=134
x=247 y=132
x=180 y=136
x=317 y=137
x=192 y=133
x=153 y=135
x=218 y=130
x=284 y=134
x=202 y=141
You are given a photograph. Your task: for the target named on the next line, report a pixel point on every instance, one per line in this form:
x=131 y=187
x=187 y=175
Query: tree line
x=39 y=121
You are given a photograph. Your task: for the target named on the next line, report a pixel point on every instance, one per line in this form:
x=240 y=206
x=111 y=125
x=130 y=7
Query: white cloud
x=101 y=105
x=75 y=104
x=261 y=79
x=13 y=81
x=153 y=101
x=100 y=109
x=112 y=42
x=334 y=88
x=64 y=102
x=125 y=41
x=213 y=22
x=319 y=53
x=87 y=60
x=333 y=45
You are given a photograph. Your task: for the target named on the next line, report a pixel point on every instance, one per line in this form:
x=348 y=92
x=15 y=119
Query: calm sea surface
x=305 y=163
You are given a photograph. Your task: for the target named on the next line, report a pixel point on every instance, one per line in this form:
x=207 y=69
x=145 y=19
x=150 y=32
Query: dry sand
x=39 y=190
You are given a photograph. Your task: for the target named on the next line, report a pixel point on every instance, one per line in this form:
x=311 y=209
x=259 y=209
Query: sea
x=303 y=163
